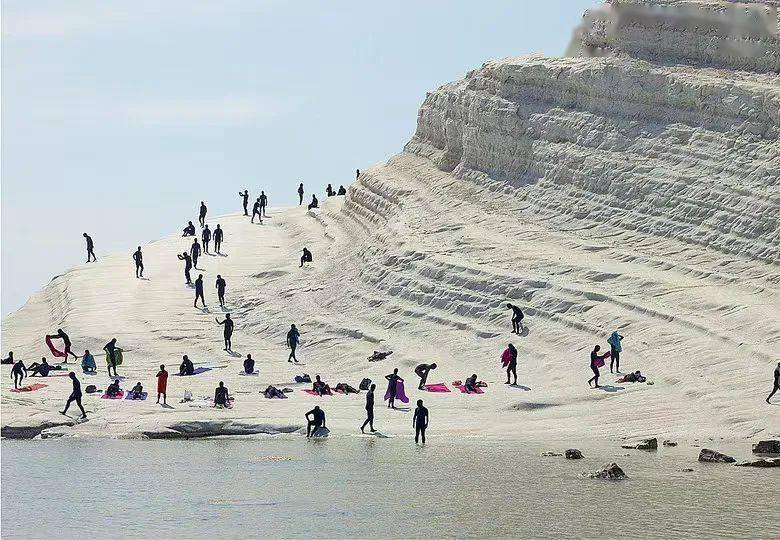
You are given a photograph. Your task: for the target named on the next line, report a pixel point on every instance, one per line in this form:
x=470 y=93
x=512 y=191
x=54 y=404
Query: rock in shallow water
x=670 y=443
x=711 y=456
x=551 y=454
x=573 y=453
x=610 y=471
x=767 y=447
x=647 y=444
x=761 y=463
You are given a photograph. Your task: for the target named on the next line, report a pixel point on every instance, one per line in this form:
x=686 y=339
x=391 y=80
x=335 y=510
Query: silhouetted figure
x=206 y=237
x=511 y=367
x=245 y=198
x=228 y=332
x=219 y=234
x=293 y=338
x=221 y=397
x=42 y=369
x=776 y=386
x=320 y=387
x=162 y=384
x=199 y=291
x=517 y=318
x=138 y=257
x=596 y=361
x=615 y=349
x=88 y=364
x=357 y=174
x=422 y=371
x=420 y=422
x=220 y=284
x=369 y=409
x=195 y=253
x=9 y=359
x=189 y=230
x=329 y=191
x=187 y=265
x=113 y=389
x=316 y=420
x=471 y=384
x=111 y=349
x=314 y=202
x=305 y=257
x=256 y=211
x=202 y=214
x=263 y=203
x=300 y=194
x=90 y=248
x=75 y=395
x=65 y=343
x=392 y=387
x=342 y=191
x=249 y=365
x=18 y=373
x=186 y=367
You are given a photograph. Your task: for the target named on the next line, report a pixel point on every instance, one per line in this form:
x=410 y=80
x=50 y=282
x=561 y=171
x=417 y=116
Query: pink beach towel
x=29 y=387
x=437 y=387
x=400 y=393
x=313 y=393
x=506 y=357
x=56 y=352
x=120 y=395
x=462 y=388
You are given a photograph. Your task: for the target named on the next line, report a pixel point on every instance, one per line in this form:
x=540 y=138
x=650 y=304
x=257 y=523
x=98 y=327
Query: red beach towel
x=56 y=352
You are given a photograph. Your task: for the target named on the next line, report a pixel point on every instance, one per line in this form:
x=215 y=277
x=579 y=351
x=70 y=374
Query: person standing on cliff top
x=369 y=410
x=195 y=252
x=199 y=291
x=90 y=248
x=300 y=194
x=228 y=332
x=776 y=386
x=420 y=422
x=202 y=214
x=263 y=203
x=187 y=266
x=256 y=211
x=245 y=197
x=162 y=384
x=221 y=284
x=219 y=234
x=206 y=237
x=138 y=257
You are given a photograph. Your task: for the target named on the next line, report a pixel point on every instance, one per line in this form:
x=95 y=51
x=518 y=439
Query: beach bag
x=365 y=384
x=303 y=378
x=90 y=389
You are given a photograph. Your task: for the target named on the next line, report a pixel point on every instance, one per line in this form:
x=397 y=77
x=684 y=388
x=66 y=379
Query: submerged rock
x=573 y=453
x=647 y=444
x=767 y=447
x=711 y=456
x=760 y=463
x=551 y=454
x=610 y=471
x=686 y=470
x=670 y=443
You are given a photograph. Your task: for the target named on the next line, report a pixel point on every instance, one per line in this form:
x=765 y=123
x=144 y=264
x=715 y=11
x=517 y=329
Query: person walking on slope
x=305 y=257
x=195 y=253
x=263 y=203
x=315 y=420
x=300 y=194
x=219 y=234
x=420 y=422
x=228 y=332
x=776 y=386
x=90 y=248
x=293 y=338
x=256 y=211
x=138 y=257
x=596 y=361
x=111 y=350
x=509 y=360
x=369 y=410
x=206 y=237
x=202 y=214
x=187 y=266
x=65 y=343
x=517 y=318
x=75 y=395
x=245 y=198
x=614 y=351
x=18 y=373
x=199 y=291
x=422 y=371
x=392 y=387
x=162 y=384
x=220 y=284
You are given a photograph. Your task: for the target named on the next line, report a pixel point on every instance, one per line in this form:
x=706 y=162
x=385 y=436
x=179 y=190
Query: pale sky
x=119 y=117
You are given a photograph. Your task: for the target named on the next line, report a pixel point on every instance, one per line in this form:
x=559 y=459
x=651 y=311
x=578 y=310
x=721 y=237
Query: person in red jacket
x=162 y=384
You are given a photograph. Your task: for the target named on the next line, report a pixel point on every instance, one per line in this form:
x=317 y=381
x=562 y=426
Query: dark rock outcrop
x=573 y=453
x=610 y=471
x=647 y=444
x=762 y=463
x=670 y=443
x=767 y=447
x=711 y=456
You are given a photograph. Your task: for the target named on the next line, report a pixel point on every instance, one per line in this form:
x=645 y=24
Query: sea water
x=370 y=487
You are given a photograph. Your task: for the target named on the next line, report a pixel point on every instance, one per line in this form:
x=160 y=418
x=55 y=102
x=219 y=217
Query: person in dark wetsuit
x=219 y=234
x=202 y=214
x=187 y=367
x=422 y=371
x=300 y=194
x=314 y=202
x=776 y=386
x=256 y=211
x=306 y=257
x=137 y=392
x=42 y=369
x=471 y=384
x=228 y=333
x=293 y=338
x=320 y=386
x=245 y=198
x=90 y=248
x=342 y=191
x=221 y=290
x=511 y=367
x=263 y=203
x=199 y=291
x=9 y=359
x=221 y=396
x=75 y=395
x=110 y=348
x=392 y=387
x=206 y=237
x=316 y=420
x=615 y=348
x=595 y=359
x=187 y=266
x=65 y=343
x=195 y=252
x=420 y=422
x=18 y=373
x=138 y=257
x=369 y=410
x=329 y=191
x=249 y=365
x=517 y=318
x=113 y=388
x=189 y=230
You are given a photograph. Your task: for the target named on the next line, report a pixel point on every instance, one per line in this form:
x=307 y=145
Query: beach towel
x=29 y=387
x=129 y=396
x=58 y=373
x=462 y=388
x=120 y=395
x=196 y=371
x=506 y=357
x=437 y=387
x=117 y=357
x=400 y=393
x=248 y=374
x=56 y=352
x=313 y=393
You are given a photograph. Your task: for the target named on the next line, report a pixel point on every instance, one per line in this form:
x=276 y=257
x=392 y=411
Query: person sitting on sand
x=329 y=191
x=249 y=365
x=346 y=388
x=189 y=230
x=420 y=422
x=113 y=389
x=42 y=369
x=221 y=397
x=314 y=202
x=342 y=191
x=320 y=387
x=422 y=371
x=18 y=373
x=88 y=364
x=378 y=355
x=272 y=392
x=305 y=257
x=471 y=384
x=316 y=420
x=186 y=367
x=9 y=359
x=137 y=391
